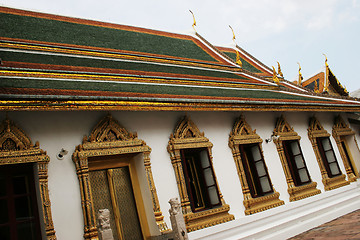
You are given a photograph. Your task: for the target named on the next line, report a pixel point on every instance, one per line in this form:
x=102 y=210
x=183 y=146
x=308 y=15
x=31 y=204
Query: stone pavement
x=345 y=227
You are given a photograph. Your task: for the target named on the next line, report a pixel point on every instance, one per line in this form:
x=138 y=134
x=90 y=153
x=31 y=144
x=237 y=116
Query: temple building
x=102 y=124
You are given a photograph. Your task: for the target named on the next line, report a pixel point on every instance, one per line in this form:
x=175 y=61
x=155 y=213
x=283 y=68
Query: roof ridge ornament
x=327 y=83
x=275 y=78
x=300 y=75
x=279 y=70
x=194 y=24
x=238 y=60
x=233 y=34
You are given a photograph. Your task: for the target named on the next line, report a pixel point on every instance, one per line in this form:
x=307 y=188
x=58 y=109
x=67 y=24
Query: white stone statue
x=105 y=232
x=177 y=220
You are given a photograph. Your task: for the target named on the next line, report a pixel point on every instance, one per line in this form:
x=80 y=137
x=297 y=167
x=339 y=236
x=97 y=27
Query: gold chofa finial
x=238 y=61
x=326 y=64
x=275 y=78
x=300 y=75
x=232 y=33
x=194 y=24
x=279 y=70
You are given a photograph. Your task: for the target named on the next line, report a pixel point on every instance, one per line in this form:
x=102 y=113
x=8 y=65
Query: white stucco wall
x=57 y=130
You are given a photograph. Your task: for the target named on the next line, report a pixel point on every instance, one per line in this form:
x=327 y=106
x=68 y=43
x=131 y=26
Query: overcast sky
x=288 y=31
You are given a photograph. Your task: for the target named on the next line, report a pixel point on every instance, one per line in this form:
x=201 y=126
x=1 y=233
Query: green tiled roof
x=58 y=63
x=151 y=89
x=110 y=64
x=245 y=64
x=54 y=31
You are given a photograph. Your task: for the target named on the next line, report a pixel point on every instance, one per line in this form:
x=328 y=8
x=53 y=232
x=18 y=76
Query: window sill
x=259 y=204
x=301 y=192
x=207 y=218
x=335 y=182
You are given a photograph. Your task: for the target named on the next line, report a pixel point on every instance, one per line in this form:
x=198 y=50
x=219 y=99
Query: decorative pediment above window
x=316 y=127
x=242 y=132
x=340 y=128
x=188 y=135
x=187 y=129
x=13 y=138
x=109 y=134
x=108 y=129
x=284 y=131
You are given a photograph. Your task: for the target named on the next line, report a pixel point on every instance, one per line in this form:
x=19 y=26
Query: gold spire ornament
x=238 y=61
x=233 y=34
x=300 y=75
x=327 y=83
x=279 y=70
x=275 y=78
x=326 y=64
x=194 y=24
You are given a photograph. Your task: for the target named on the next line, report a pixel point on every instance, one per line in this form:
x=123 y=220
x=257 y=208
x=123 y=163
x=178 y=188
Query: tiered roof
x=326 y=82
x=50 y=62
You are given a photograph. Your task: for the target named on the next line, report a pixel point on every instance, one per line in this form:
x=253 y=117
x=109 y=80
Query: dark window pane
x=299 y=162
x=209 y=178
x=213 y=195
x=26 y=231
x=334 y=169
x=2 y=186
x=20 y=184
x=265 y=184
x=295 y=148
x=260 y=168
x=4 y=218
x=23 y=208
x=304 y=177
x=5 y=233
x=326 y=144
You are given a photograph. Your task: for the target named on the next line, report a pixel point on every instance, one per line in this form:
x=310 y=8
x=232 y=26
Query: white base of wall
x=290 y=219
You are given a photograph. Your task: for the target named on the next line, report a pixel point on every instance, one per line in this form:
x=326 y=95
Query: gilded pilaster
x=159 y=218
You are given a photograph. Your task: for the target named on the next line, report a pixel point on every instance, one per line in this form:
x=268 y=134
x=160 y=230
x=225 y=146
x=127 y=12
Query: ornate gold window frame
x=243 y=134
x=283 y=132
x=339 y=132
x=186 y=136
x=315 y=131
x=110 y=138
x=21 y=150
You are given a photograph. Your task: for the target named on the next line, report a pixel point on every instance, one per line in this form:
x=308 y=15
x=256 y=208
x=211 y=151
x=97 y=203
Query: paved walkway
x=345 y=227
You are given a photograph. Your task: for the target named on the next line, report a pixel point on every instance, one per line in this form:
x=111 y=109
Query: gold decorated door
x=112 y=189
